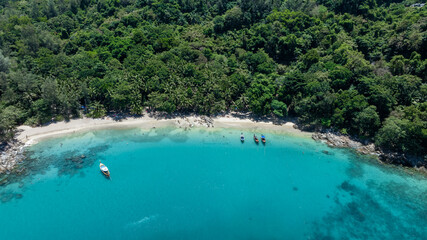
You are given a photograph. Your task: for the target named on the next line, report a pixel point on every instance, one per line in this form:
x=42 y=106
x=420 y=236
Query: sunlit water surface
x=204 y=184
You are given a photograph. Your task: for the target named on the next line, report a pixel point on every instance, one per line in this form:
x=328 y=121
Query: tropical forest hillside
x=358 y=66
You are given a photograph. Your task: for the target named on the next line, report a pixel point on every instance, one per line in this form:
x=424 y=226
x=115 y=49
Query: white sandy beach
x=31 y=135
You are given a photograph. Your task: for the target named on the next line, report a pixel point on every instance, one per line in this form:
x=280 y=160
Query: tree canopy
x=357 y=66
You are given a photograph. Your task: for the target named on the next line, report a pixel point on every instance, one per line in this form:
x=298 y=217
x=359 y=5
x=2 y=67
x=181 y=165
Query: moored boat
x=242 y=138
x=256 y=139
x=262 y=138
x=104 y=169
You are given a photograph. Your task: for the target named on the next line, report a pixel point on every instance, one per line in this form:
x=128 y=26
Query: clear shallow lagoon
x=200 y=184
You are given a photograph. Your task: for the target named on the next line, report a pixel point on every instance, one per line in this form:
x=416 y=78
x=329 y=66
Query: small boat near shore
x=104 y=169
x=262 y=138
x=242 y=138
x=256 y=139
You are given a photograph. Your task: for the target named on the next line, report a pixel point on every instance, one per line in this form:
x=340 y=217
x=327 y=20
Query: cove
x=167 y=183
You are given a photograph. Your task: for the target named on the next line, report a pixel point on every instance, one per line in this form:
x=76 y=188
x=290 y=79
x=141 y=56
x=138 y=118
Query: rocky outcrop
x=394 y=158
x=11 y=154
x=343 y=141
x=189 y=122
x=208 y=121
x=333 y=139
x=404 y=160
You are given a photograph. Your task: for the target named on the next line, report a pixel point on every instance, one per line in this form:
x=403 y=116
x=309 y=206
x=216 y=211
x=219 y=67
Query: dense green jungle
x=357 y=66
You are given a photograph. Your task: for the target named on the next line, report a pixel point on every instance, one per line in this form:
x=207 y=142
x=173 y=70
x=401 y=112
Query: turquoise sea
x=169 y=183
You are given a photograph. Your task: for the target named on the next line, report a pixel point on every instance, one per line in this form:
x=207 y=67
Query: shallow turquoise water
x=199 y=184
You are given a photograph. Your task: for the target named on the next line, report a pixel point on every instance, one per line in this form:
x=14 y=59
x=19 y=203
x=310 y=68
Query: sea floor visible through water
x=168 y=183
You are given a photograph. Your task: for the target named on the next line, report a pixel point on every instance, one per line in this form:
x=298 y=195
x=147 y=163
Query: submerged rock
x=3 y=180
x=327 y=152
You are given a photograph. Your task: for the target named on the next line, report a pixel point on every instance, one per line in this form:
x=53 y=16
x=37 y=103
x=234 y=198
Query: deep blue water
x=204 y=184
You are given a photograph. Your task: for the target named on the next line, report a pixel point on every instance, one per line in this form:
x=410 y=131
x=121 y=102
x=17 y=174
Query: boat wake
x=143 y=220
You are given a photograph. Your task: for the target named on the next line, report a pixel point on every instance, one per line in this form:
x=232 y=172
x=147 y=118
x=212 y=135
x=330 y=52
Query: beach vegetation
x=359 y=67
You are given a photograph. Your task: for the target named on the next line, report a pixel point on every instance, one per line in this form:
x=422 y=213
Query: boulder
x=341 y=141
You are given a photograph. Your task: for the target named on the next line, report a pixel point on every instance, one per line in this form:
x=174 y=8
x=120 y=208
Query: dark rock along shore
x=11 y=154
x=337 y=140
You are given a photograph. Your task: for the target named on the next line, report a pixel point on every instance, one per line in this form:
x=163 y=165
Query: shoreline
x=32 y=135
x=13 y=154
x=27 y=136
